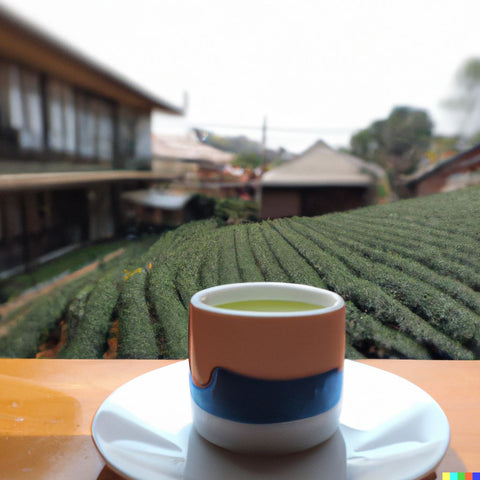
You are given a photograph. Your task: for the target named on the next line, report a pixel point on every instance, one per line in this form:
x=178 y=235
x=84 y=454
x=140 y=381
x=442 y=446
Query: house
x=194 y=164
x=458 y=171
x=320 y=180
x=73 y=136
x=198 y=159
x=205 y=169
x=202 y=169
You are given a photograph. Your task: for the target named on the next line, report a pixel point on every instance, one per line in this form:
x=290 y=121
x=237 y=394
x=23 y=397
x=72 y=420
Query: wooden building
x=205 y=169
x=321 y=180
x=198 y=160
x=456 y=172
x=73 y=136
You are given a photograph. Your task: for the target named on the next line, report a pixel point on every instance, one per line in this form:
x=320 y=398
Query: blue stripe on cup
x=251 y=400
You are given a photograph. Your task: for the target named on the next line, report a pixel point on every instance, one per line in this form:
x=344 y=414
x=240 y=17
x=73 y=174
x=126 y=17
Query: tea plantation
x=409 y=272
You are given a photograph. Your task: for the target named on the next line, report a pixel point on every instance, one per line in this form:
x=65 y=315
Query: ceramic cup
x=266 y=382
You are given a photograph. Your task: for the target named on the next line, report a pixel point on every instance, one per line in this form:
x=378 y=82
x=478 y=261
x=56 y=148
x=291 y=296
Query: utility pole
x=264 y=139
x=186 y=101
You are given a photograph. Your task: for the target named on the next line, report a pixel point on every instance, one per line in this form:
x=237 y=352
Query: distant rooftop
x=322 y=165
x=468 y=160
x=187 y=147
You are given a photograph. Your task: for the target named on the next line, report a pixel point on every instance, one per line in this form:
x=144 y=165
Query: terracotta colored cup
x=266 y=382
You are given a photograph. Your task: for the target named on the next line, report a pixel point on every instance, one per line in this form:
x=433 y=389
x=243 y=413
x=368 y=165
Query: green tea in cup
x=263 y=305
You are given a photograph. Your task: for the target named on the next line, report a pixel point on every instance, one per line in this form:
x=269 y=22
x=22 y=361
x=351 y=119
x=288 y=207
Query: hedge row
x=173 y=278
x=30 y=330
x=89 y=323
x=429 y=303
x=88 y=305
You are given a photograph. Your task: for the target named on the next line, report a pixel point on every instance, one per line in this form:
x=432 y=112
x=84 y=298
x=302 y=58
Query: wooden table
x=47 y=406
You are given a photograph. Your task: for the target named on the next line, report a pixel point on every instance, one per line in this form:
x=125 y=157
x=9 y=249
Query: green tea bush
x=32 y=329
x=233 y=211
x=370 y=247
x=168 y=286
x=247 y=265
x=265 y=259
x=409 y=272
x=435 y=259
x=136 y=336
x=291 y=262
x=89 y=323
x=79 y=302
x=12 y=287
x=444 y=312
x=228 y=261
x=367 y=296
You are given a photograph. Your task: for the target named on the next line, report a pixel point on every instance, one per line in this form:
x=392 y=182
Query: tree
x=363 y=144
x=466 y=100
x=406 y=133
x=248 y=160
x=397 y=143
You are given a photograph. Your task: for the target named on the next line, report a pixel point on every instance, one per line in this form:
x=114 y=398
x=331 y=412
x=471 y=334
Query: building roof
x=463 y=161
x=188 y=147
x=157 y=199
x=45 y=181
x=320 y=165
x=23 y=42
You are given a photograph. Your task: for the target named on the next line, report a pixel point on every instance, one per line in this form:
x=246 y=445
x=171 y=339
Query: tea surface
x=269 y=306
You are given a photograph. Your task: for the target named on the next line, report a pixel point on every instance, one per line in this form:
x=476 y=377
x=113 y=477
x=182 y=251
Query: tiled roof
x=321 y=165
x=187 y=147
x=468 y=159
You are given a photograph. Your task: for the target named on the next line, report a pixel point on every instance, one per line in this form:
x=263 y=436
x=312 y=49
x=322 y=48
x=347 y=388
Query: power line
x=306 y=130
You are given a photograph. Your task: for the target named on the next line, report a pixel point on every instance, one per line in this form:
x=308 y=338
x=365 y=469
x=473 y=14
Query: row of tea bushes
x=89 y=318
x=54 y=269
x=175 y=275
x=87 y=304
x=427 y=302
x=411 y=291
x=31 y=328
x=409 y=272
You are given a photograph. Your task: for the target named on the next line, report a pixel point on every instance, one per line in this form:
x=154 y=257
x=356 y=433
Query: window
x=105 y=131
x=94 y=128
x=126 y=137
x=21 y=106
x=143 y=147
x=61 y=117
x=86 y=125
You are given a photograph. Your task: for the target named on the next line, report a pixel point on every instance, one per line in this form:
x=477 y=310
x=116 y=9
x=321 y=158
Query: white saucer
x=390 y=428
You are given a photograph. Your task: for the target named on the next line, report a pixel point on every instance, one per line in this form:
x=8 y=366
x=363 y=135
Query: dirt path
x=24 y=300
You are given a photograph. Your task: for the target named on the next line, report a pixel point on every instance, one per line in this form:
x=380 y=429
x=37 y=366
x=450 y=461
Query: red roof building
x=458 y=171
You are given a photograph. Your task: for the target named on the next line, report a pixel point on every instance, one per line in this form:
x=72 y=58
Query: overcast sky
x=326 y=67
